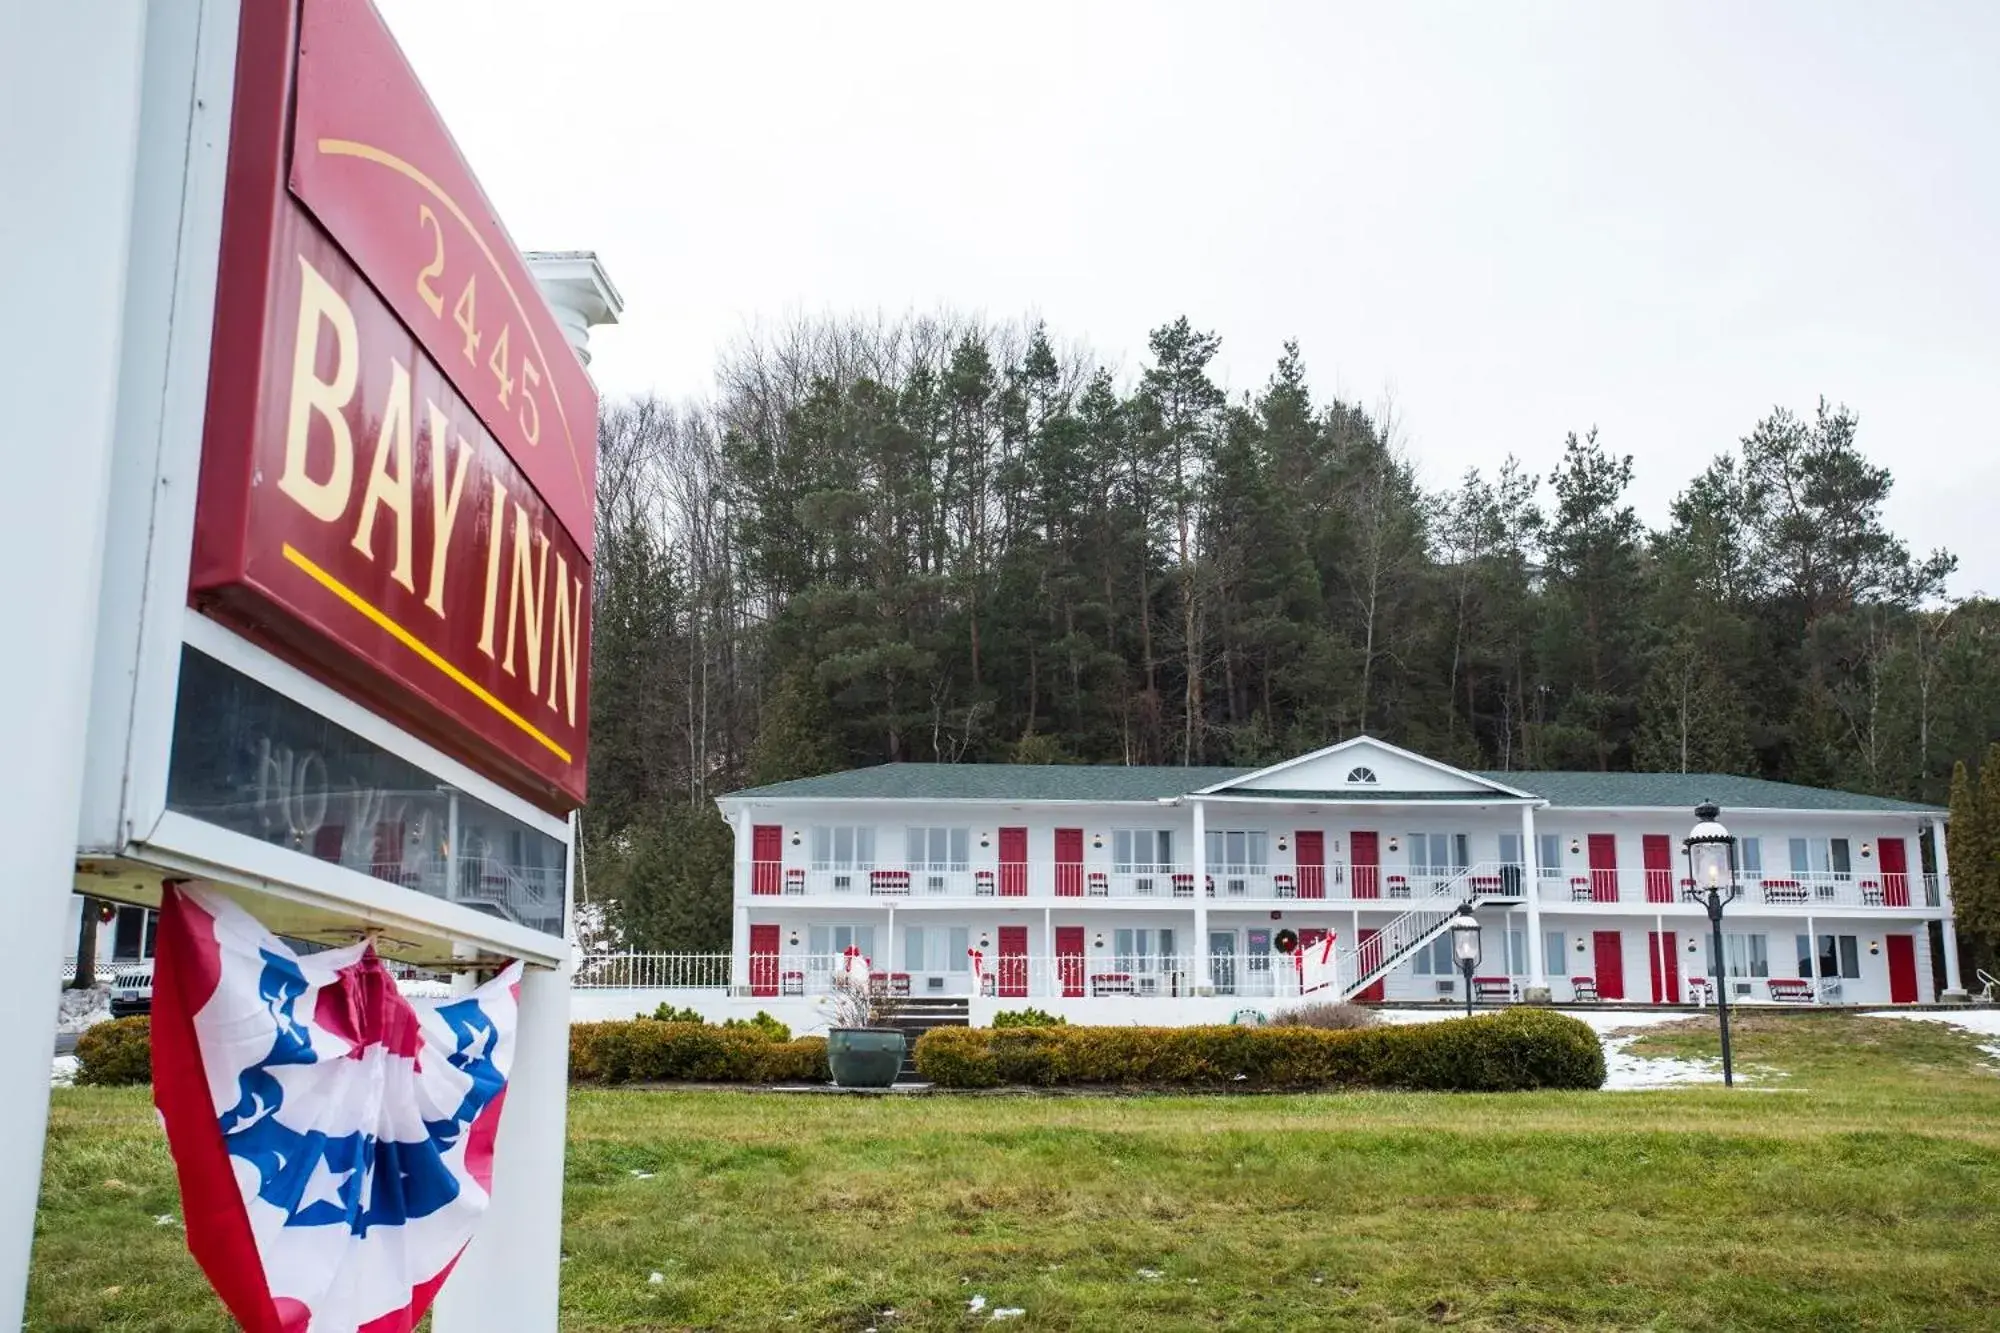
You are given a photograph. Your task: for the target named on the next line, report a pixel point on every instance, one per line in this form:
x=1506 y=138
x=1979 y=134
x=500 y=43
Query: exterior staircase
x=1367 y=962
x=919 y=1014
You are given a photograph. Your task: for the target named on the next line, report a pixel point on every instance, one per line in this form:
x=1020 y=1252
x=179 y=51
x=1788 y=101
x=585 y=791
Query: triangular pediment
x=1360 y=767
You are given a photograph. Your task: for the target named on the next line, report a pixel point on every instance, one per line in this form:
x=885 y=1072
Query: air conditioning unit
x=1447 y=988
x=1742 y=987
x=933 y=983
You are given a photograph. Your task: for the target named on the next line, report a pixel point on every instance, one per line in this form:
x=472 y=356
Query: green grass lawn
x=1855 y=1184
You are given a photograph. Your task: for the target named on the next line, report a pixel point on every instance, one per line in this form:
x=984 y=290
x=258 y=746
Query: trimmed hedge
x=646 y=1050
x=1514 y=1050
x=1028 y=1018
x=115 y=1054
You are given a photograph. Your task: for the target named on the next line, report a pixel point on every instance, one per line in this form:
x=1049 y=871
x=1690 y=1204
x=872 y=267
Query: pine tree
x=1975 y=880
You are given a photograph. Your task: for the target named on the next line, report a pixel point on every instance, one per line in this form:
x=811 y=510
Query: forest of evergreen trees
x=943 y=540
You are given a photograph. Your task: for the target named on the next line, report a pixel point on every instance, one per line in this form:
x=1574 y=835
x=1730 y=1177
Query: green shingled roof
x=1117 y=782
x=1686 y=790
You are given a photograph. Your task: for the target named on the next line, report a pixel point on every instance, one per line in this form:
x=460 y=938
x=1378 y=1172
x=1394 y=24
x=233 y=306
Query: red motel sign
x=399 y=460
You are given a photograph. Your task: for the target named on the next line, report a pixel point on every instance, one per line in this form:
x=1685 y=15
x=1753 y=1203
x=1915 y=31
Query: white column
x=1049 y=982
x=1954 y=987
x=70 y=170
x=887 y=963
x=739 y=951
x=579 y=293
x=1203 y=983
x=1660 y=956
x=509 y=1276
x=1537 y=989
x=742 y=875
x=1812 y=952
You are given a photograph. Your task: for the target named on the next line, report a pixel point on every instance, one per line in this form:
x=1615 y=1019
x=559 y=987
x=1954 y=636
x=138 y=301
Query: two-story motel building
x=1079 y=884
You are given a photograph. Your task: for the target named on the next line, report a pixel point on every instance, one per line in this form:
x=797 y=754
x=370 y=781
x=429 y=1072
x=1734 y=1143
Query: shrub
x=1509 y=1051
x=649 y=1051
x=1328 y=1016
x=1028 y=1018
x=666 y=1013
x=763 y=1023
x=115 y=1054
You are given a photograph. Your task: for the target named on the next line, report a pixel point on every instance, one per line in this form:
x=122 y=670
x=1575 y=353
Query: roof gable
x=1361 y=765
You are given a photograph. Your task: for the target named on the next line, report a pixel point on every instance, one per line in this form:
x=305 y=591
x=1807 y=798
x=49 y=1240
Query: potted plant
x=862 y=1049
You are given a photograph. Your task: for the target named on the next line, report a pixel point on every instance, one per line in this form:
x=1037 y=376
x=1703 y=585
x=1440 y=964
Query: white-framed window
x=1517 y=952
x=1238 y=851
x=1749 y=954
x=1839 y=956
x=1257 y=950
x=1361 y=776
x=1140 y=950
x=937 y=850
x=1435 y=959
x=1750 y=851
x=1142 y=851
x=831 y=941
x=936 y=949
x=1548 y=854
x=1821 y=856
x=1438 y=853
x=1555 y=953
x=843 y=847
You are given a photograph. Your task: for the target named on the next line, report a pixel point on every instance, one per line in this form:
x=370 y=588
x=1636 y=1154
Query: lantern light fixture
x=1576 y=846
x=1874 y=947
x=1711 y=858
x=793 y=938
x=1579 y=944
x=1395 y=844
x=1282 y=844
x=795 y=837
x=1097 y=842
x=1098 y=941
x=1466 y=947
x=1867 y=850
x=985 y=940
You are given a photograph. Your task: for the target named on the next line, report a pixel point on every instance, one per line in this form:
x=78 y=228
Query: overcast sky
x=1515 y=219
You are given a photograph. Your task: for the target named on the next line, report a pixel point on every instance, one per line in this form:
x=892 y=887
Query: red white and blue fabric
x=334 y=1140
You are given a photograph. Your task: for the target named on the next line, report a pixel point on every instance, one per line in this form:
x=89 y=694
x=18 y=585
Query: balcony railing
x=1098 y=973
x=1163 y=883
x=1772 y=888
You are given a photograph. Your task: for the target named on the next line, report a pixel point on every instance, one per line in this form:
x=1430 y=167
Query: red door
x=1367 y=861
x=1659 y=868
x=1069 y=959
x=1014 y=958
x=1895 y=877
x=1603 y=872
x=1367 y=956
x=1660 y=948
x=767 y=855
x=1069 y=864
x=1609 y=948
x=1013 y=864
x=763 y=960
x=1902 y=968
x=1311 y=863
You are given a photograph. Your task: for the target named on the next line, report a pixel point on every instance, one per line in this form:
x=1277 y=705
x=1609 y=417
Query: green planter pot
x=864 y=1057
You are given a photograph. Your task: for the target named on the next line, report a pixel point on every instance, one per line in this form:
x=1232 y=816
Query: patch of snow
x=1986 y=1022
x=164 y=1220
x=975 y=1305
x=62 y=1074
x=1008 y=1312
x=656 y=1279
x=1149 y=1273
x=642 y=1175
x=1624 y=1072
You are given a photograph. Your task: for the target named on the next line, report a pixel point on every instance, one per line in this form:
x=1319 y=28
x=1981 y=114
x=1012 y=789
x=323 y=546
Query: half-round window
x=1361 y=775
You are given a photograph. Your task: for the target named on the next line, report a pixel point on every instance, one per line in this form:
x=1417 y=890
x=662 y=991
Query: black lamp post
x=1465 y=947
x=1711 y=855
